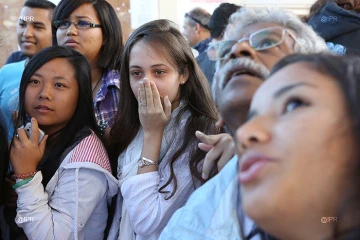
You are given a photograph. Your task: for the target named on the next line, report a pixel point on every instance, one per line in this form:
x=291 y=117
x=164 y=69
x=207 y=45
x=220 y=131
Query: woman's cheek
x=160 y=90
x=135 y=89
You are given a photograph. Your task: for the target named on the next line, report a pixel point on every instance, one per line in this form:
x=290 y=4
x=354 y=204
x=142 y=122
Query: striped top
x=92 y=150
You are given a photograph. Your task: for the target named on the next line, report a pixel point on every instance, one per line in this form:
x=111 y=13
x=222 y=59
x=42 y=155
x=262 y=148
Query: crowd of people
x=245 y=125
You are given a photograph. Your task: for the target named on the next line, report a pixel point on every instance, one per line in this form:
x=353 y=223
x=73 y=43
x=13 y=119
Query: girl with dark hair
x=164 y=99
x=92 y=28
x=64 y=181
x=299 y=150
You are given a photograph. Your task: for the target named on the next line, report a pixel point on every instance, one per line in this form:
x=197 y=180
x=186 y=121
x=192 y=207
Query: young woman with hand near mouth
x=164 y=99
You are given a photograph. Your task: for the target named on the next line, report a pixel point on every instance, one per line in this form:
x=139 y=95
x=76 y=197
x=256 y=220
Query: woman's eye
x=159 y=72
x=59 y=85
x=83 y=23
x=136 y=73
x=34 y=81
x=294 y=103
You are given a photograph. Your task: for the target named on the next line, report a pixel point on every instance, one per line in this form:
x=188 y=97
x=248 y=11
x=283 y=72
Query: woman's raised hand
x=26 y=152
x=153 y=115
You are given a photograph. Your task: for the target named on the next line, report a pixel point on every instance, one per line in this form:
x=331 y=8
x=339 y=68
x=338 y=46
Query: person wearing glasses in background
x=255 y=40
x=196 y=29
x=92 y=28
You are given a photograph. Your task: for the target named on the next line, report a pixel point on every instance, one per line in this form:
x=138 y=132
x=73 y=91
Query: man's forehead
x=236 y=33
x=38 y=14
x=186 y=21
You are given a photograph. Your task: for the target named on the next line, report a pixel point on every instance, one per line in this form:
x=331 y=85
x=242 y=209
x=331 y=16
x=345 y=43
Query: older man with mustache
x=254 y=42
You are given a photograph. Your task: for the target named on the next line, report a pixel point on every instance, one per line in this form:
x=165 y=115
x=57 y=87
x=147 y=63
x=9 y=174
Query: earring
x=182 y=82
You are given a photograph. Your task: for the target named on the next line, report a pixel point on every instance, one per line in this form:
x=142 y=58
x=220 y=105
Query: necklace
x=97 y=83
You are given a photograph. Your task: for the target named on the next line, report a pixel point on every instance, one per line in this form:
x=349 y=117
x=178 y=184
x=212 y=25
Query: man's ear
x=197 y=27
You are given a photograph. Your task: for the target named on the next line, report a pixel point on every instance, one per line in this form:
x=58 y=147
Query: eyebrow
x=38 y=23
x=54 y=78
x=279 y=93
x=287 y=88
x=32 y=22
x=152 y=66
x=79 y=17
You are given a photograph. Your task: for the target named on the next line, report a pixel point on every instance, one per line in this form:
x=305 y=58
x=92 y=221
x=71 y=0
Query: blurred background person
x=218 y=22
x=338 y=22
x=196 y=29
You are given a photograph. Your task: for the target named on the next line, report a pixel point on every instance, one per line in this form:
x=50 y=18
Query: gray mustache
x=245 y=63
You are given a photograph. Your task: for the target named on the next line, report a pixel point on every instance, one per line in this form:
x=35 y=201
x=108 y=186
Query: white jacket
x=74 y=204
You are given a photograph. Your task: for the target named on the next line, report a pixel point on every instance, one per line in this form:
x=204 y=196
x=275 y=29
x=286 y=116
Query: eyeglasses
x=197 y=21
x=81 y=24
x=259 y=40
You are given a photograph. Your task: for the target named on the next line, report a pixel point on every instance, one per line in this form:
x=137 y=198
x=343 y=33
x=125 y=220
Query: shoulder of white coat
x=91 y=149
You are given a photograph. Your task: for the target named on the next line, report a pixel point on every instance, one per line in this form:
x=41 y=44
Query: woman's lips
x=71 y=43
x=43 y=109
x=251 y=165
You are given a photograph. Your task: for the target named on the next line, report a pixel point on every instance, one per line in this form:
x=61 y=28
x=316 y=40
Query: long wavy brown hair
x=165 y=38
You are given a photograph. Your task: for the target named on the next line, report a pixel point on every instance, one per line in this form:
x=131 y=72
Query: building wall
x=168 y=9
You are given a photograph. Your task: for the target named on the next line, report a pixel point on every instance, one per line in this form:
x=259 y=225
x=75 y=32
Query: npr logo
x=328 y=219
x=25 y=219
x=27 y=18
x=325 y=19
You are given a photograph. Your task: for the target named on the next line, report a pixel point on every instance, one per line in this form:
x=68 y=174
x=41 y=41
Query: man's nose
x=242 y=49
x=28 y=32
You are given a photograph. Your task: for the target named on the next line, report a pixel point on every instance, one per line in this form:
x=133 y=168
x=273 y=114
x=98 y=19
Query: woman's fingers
x=223 y=149
x=21 y=135
x=167 y=106
x=142 y=96
x=226 y=156
x=205 y=147
x=149 y=94
x=211 y=140
x=156 y=96
x=34 y=137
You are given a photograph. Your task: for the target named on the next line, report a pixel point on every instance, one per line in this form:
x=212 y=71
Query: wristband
x=23 y=176
x=23 y=182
